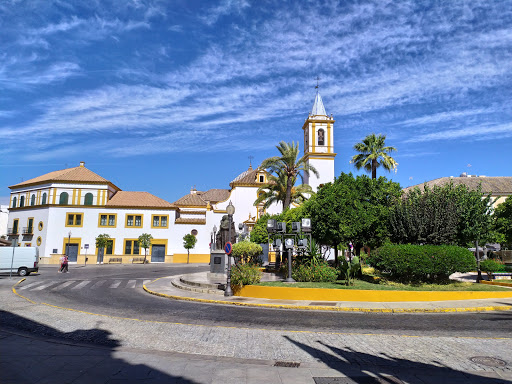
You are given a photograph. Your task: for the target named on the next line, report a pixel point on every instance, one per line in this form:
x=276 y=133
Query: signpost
x=86 y=246
x=228 y=248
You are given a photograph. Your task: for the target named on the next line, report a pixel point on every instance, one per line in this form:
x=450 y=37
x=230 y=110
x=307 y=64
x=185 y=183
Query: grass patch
x=391 y=286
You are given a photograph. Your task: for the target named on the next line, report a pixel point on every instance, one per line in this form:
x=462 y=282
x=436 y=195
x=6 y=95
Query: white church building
x=62 y=212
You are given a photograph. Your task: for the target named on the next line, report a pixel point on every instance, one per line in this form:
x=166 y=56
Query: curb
x=495 y=283
x=332 y=309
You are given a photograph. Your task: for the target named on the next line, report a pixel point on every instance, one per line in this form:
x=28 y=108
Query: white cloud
x=225 y=7
x=482 y=132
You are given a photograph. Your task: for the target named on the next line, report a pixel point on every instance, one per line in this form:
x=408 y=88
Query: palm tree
x=288 y=168
x=370 y=151
x=275 y=191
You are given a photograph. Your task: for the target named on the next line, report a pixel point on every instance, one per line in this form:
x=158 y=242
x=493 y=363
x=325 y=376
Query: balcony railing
x=28 y=230
x=12 y=231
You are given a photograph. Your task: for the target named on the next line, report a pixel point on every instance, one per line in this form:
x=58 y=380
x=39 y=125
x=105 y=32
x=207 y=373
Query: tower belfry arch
x=319 y=142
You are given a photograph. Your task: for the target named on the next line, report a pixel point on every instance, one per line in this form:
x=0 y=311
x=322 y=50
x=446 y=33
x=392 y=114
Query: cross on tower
x=317 y=80
x=250 y=160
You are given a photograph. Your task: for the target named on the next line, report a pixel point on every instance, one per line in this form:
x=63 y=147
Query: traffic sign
x=228 y=248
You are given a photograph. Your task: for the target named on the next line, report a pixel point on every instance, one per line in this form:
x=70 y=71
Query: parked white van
x=26 y=260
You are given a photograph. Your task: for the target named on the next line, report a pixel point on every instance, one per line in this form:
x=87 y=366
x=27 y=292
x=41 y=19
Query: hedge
x=317 y=273
x=244 y=274
x=421 y=263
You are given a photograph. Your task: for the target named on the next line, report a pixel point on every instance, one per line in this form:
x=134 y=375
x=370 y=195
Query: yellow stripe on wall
x=329 y=148
x=54 y=195
x=79 y=197
x=98 y=197
x=73 y=200
x=313 y=135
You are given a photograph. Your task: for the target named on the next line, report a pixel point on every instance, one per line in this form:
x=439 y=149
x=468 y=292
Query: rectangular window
x=159 y=221
x=107 y=220
x=30 y=225
x=131 y=247
x=134 y=221
x=74 y=220
x=110 y=247
x=15 y=226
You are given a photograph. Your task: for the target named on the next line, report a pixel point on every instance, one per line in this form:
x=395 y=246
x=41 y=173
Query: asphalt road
x=116 y=290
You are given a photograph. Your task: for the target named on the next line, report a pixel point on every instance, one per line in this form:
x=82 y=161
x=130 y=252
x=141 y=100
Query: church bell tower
x=319 y=144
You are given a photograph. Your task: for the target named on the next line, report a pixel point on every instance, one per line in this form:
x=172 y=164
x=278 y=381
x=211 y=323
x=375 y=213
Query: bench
x=115 y=260
x=138 y=260
x=498 y=275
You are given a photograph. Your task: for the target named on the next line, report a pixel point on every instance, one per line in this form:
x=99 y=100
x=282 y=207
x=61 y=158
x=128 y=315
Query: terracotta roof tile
x=190 y=200
x=247 y=177
x=214 y=195
x=137 y=199
x=494 y=185
x=77 y=174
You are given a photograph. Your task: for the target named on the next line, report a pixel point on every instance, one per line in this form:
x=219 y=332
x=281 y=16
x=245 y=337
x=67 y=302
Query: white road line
x=131 y=284
x=146 y=282
x=98 y=284
x=29 y=285
x=44 y=286
x=115 y=284
x=82 y=284
x=63 y=285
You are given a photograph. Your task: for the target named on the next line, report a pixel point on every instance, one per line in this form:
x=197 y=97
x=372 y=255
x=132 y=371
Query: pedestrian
x=66 y=270
x=61 y=260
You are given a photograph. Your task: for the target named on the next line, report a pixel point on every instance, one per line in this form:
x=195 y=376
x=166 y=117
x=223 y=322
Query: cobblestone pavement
x=444 y=358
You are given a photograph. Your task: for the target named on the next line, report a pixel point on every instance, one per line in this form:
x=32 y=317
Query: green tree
x=275 y=191
x=288 y=168
x=445 y=214
x=373 y=154
x=102 y=241
x=144 y=241
x=503 y=220
x=189 y=242
x=352 y=210
x=259 y=234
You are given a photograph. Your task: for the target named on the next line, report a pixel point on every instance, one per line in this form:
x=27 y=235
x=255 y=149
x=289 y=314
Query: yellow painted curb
x=335 y=309
x=318 y=294
x=17 y=294
x=496 y=283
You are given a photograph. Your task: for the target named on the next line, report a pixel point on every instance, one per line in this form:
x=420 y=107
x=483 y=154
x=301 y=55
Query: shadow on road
x=363 y=368
x=55 y=359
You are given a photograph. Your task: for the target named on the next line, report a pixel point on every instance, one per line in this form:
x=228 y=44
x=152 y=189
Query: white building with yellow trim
x=62 y=212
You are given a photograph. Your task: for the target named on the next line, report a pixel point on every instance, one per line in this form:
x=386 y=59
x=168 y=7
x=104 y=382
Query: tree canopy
x=286 y=168
x=189 y=242
x=144 y=241
x=352 y=210
x=373 y=154
x=503 y=220
x=445 y=214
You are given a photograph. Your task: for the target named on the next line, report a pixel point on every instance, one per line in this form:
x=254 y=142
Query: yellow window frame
x=132 y=247
x=74 y=219
x=107 y=214
x=159 y=221
x=134 y=215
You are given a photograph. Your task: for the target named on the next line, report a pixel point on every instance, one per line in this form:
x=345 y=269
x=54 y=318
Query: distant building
x=62 y=212
x=500 y=187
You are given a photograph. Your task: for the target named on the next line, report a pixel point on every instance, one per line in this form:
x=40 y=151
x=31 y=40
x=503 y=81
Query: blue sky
x=159 y=96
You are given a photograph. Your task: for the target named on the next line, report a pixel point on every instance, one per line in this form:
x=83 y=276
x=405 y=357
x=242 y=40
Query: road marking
x=141 y=284
x=29 y=285
x=131 y=284
x=81 y=285
x=44 y=286
x=63 y=285
x=115 y=284
x=98 y=284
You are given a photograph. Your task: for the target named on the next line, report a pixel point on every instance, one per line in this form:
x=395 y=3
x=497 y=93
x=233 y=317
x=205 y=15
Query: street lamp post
x=69 y=240
x=479 y=276
x=230 y=209
x=214 y=237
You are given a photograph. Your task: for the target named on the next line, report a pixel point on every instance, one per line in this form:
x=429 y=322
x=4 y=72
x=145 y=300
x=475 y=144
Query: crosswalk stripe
x=63 y=285
x=82 y=284
x=98 y=284
x=115 y=284
x=29 y=285
x=131 y=284
x=44 y=286
x=146 y=282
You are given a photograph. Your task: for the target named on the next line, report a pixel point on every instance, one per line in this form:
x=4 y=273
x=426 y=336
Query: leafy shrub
x=406 y=262
x=492 y=266
x=349 y=270
x=244 y=274
x=248 y=252
x=314 y=272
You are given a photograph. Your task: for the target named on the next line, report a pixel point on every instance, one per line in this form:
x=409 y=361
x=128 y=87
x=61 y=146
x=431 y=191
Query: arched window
x=44 y=198
x=33 y=200
x=321 y=137
x=63 y=200
x=22 y=201
x=14 y=201
x=88 y=199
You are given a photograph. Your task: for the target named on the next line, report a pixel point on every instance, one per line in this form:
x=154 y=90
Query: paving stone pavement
x=146 y=351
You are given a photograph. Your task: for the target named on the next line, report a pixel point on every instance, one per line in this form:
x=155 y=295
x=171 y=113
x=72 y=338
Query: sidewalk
x=32 y=359
x=199 y=287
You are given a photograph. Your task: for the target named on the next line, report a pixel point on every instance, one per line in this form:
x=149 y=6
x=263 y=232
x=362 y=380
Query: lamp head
x=306 y=225
x=230 y=209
